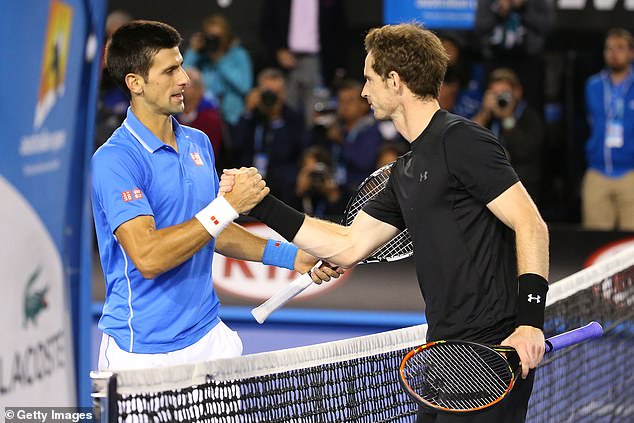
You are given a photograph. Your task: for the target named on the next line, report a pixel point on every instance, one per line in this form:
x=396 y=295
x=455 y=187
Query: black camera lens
x=504 y=99
x=268 y=98
x=318 y=174
x=212 y=43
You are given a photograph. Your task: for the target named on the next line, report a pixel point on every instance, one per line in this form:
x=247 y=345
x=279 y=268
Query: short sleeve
x=477 y=160
x=118 y=188
x=384 y=207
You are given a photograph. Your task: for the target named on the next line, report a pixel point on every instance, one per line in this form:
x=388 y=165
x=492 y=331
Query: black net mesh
x=589 y=382
x=358 y=390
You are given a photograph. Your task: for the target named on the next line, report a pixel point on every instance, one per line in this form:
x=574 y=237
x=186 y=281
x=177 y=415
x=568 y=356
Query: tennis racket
x=461 y=376
x=397 y=248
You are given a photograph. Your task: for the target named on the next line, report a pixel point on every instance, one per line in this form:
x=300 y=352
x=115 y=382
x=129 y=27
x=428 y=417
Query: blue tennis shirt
x=135 y=174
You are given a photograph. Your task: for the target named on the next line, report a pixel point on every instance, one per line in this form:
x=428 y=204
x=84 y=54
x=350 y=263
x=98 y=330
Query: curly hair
x=410 y=50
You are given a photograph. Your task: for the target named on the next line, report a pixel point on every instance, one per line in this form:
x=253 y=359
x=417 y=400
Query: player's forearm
x=329 y=241
x=326 y=240
x=238 y=243
x=157 y=251
x=532 y=247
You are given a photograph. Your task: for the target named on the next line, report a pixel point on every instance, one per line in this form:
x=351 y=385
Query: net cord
x=254 y=365
x=585 y=278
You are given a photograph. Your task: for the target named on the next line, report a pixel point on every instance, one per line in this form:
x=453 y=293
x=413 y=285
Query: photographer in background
x=352 y=138
x=316 y=186
x=199 y=113
x=270 y=135
x=517 y=125
x=227 y=73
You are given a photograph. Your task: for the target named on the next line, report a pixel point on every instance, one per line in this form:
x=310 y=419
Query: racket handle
x=282 y=296
x=566 y=339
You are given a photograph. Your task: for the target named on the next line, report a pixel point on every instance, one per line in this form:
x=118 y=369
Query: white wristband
x=216 y=216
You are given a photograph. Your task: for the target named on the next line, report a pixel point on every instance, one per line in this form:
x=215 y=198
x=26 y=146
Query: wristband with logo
x=531 y=301
x=280 y=254
x=217 y=216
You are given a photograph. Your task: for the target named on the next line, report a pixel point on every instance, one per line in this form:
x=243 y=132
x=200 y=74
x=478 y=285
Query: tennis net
x=356 y=380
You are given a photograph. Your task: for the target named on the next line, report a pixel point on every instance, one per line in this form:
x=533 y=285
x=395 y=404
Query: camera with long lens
x=325 y=113
x=504 y=99
x=212 y=43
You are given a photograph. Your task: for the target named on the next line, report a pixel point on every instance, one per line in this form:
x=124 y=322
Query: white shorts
x=219 y=342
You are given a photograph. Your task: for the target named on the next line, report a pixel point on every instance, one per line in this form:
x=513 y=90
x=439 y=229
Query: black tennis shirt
x=465 y=257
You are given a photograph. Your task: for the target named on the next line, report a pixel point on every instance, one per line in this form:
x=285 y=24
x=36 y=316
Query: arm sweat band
x=217 y=216
x=531 y=302
x=280 y=217
x=280 y=254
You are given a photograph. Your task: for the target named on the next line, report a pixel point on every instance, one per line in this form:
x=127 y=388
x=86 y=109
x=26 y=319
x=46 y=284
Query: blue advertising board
x=434 y=14
x=50 y=74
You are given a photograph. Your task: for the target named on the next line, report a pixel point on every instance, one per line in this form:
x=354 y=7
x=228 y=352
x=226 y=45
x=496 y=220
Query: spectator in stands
x=463 y=86
x=307 y=39
x=270 y=135
x=200 y=113
x=389 y=152
x=517 y=125
x=113 y=102
x=316 y=186
x=607 y=192
x=225 y=66
x=353 y=139
x=512 y=35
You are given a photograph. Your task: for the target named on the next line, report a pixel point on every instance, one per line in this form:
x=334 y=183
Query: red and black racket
x=461 y=377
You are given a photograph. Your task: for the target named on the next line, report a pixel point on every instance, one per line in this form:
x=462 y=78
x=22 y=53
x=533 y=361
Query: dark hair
x=270 y=73
x=227 y=36
x=133 y=47
x=350 y=84
x=416 y=54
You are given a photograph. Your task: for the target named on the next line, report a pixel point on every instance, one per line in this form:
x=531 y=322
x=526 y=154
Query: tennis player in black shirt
x=480 y=245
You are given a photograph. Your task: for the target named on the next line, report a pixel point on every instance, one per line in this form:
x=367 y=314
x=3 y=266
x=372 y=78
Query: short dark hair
x=350 y=84
x=270 y=73
x=413 y=52
x=133 y=47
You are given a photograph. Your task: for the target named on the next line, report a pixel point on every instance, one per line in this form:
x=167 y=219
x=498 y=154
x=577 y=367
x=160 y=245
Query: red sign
x=256 y=281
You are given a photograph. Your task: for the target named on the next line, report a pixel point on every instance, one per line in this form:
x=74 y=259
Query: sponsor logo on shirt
x=197 y=159
x=130 y=195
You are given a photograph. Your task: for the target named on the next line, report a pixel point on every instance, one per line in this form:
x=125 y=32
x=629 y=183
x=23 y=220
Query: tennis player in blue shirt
x=158 y=217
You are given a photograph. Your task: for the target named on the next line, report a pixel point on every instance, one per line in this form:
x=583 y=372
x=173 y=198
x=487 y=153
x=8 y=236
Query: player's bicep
x=135 y=236
x=513 y=206
x=118 y=187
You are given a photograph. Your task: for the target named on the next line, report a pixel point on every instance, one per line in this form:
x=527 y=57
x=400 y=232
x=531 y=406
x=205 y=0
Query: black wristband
x=531 y=301
x=280 y=217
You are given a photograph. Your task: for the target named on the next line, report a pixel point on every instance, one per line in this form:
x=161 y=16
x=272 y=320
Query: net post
x=104 y=396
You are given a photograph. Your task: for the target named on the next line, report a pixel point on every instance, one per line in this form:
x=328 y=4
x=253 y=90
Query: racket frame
x=563 y=340
x=288 y=292
x=497 y=350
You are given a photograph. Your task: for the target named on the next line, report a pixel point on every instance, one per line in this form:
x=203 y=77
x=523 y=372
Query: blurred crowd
x=301 y=120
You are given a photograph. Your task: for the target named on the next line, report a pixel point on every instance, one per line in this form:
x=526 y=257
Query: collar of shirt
x=145 y=137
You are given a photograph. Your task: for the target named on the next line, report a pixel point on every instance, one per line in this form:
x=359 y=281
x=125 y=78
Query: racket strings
x=458 y=376
x=398 y=247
